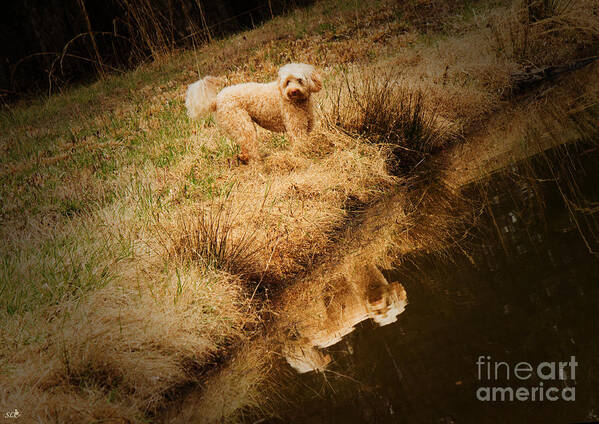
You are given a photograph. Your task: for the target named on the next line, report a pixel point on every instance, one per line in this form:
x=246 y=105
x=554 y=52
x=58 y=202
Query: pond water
x=523 y=287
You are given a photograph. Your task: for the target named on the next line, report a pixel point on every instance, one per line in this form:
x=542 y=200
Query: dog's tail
x=201 y=96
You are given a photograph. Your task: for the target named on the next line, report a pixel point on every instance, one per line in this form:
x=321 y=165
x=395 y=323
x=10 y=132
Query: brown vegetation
x=146 y=276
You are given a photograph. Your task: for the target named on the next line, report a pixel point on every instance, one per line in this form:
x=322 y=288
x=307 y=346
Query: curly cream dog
x=281 y=105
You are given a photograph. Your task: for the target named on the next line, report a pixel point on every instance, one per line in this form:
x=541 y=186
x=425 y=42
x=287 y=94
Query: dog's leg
x=239 y=125
x=297 y=122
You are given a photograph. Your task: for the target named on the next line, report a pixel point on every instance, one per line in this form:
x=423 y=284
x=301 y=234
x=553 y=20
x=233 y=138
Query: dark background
x=46 y=44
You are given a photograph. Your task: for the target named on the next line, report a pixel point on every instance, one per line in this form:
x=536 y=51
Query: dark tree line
x=49 y=43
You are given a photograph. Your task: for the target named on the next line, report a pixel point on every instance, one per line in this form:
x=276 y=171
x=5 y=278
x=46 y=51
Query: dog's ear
x=281 y=82
x=316 y=82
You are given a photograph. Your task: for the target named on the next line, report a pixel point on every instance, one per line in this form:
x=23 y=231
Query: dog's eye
x=301 y=81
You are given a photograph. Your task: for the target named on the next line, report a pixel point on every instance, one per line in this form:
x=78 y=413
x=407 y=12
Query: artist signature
x=12 y=414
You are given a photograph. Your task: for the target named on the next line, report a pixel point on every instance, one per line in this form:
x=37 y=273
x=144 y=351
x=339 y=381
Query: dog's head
x=298 y=80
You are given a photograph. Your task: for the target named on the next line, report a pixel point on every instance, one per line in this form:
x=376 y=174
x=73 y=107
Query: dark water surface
x=522 y=287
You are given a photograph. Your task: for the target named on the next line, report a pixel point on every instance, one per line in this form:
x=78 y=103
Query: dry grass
x=127 y=348
x=536 y=33
x=273 y=224
x=135 y=245
x=233 y=394
x=214 y=238
x=394 y=115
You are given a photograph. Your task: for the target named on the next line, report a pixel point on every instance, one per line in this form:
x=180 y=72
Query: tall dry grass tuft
x=537 y=33
x=387 y=112
x=149 y=27
x=214 y=236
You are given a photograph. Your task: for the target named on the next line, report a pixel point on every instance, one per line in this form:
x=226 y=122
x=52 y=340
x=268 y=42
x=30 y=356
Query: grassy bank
x=139 y=261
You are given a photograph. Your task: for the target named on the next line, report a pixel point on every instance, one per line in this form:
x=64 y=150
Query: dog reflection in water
x=365 y=294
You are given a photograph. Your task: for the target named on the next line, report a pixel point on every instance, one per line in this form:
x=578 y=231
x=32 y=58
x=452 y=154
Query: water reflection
x=523 y=286
x=366 y=294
